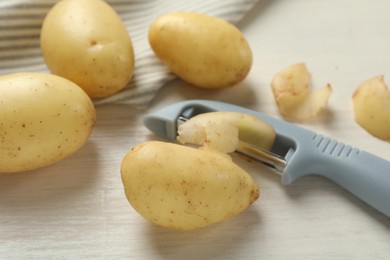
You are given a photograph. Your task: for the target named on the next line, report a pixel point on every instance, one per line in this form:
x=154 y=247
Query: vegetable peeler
x=296 y=152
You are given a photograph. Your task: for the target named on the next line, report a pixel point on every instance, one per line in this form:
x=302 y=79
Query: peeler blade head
x=165 y=122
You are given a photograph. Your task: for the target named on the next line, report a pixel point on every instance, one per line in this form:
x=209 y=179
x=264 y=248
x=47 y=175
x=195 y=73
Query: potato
x=292 y=89
x=184 y=188
x=205 y=51
x=223 y=131
x=44 y=118
x=86 y=42
x=371 y=103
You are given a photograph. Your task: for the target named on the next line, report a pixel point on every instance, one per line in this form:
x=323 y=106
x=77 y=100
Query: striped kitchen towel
x=20 y=24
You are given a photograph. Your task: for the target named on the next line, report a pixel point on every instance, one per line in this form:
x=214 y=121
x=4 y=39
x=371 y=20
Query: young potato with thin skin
x=86 y=42
x=293 y=94
x=205 y=51
x=184 y=188
x=371 y=103
x=43 y=119
x=222 y=131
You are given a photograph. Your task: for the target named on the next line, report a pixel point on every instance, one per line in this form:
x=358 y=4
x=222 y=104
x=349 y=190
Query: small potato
x=223 y=131
x=184 y=188
x=371 y=102
x=86 y=42
x=292 y=89
x=205 y=51
x=44 y=118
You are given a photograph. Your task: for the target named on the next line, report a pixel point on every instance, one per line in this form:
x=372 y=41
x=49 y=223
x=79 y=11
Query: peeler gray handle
x=363 y=174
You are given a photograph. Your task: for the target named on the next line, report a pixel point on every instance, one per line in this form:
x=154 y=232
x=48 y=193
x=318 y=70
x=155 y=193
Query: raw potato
x=86 y=42
x=222 y=131
x=293 y=94
x=184 y=188
x=205 y=51
x=371 y=102
x=44 y=118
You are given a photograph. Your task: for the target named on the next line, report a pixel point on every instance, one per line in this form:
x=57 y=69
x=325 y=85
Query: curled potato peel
x=294 y=80
x=371 y=103
x=305 y=105
x=292 y=89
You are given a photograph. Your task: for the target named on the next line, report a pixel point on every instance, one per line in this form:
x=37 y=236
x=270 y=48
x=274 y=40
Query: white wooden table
x=76 y=209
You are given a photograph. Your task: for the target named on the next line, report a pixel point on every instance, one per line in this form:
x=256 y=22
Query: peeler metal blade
x=305 y=152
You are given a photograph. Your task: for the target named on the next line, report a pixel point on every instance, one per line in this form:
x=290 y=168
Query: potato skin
x=86 y=42
x=44 y=118
x=184 y=188
x=371 y=105
x=205 y=51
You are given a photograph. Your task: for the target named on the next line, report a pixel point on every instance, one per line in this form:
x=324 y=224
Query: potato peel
x=294 y=79
x=292 y=89
x=371 y=103
x=222 y=131
x=305 y=105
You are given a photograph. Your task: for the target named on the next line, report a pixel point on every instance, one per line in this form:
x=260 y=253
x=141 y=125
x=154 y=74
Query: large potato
x=85 y=41
x=44 y=118
x=185 y=188
x=205 y=51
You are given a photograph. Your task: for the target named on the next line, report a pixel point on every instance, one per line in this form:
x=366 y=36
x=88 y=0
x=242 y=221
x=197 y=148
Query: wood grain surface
x=76 y=208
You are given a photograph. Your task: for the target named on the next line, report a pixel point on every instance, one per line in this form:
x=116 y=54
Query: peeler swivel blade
x=304 y=152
